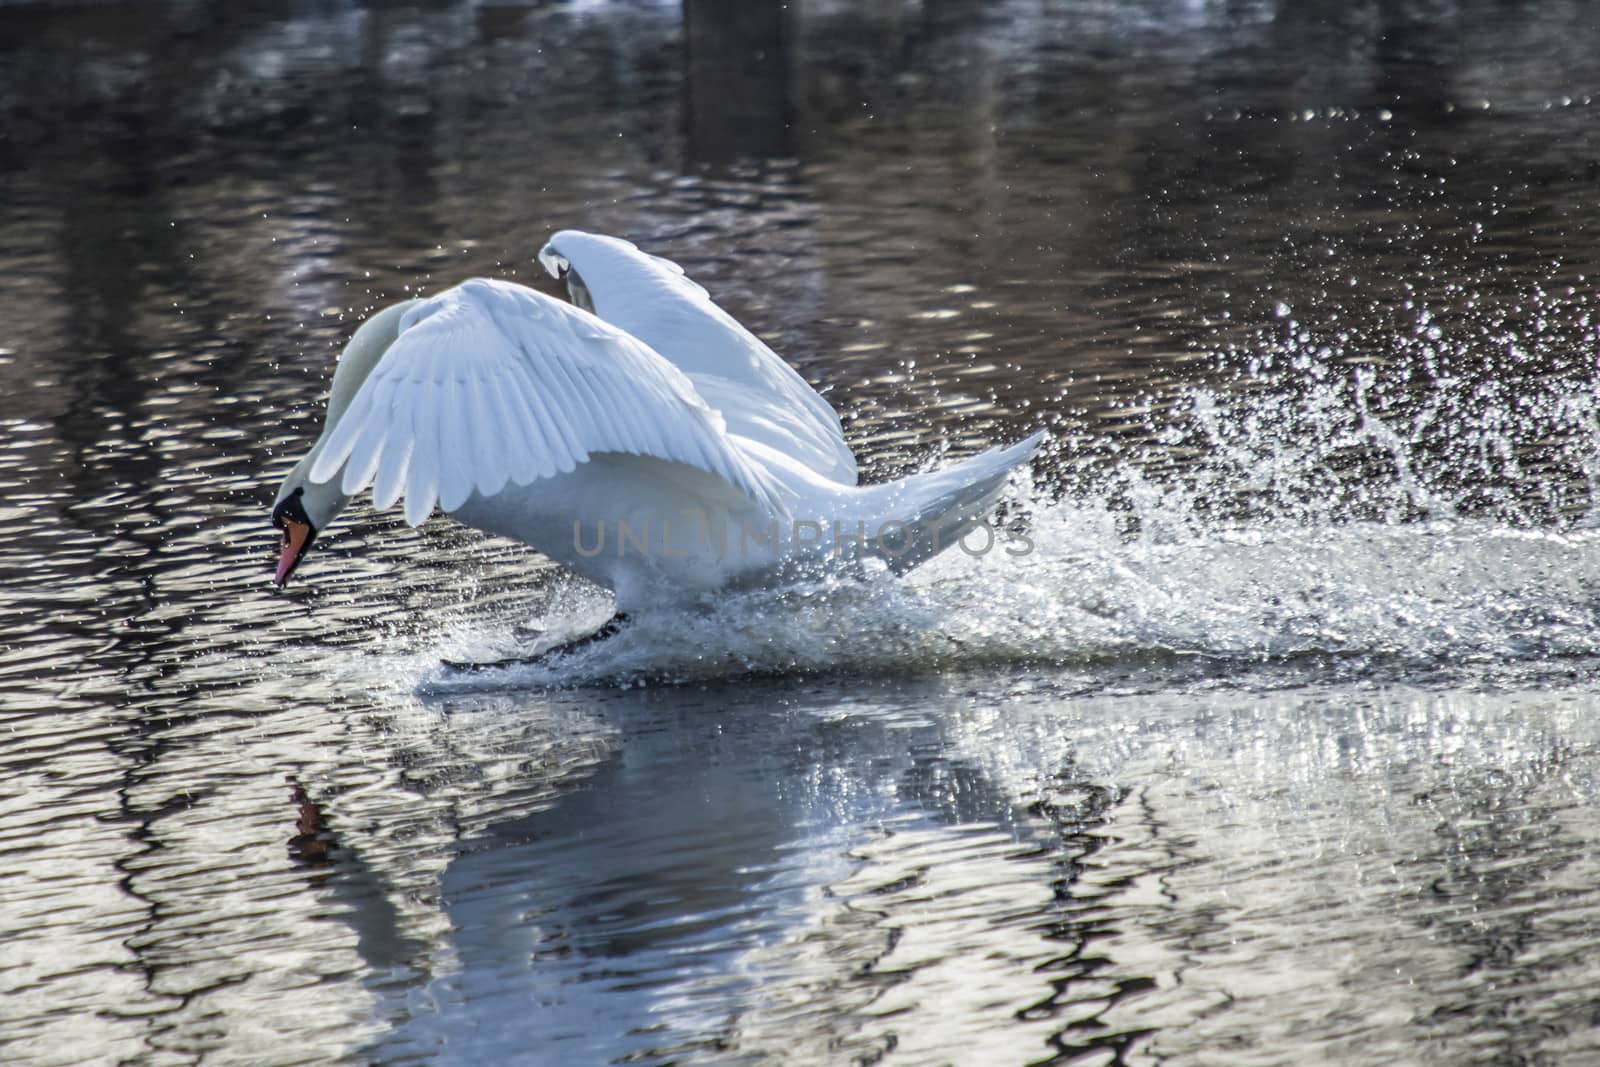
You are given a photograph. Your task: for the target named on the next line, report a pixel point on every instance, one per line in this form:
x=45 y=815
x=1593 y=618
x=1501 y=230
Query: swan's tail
x=939 y=507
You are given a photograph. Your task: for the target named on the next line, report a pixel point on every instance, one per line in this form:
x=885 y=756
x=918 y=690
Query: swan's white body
x=655 y=446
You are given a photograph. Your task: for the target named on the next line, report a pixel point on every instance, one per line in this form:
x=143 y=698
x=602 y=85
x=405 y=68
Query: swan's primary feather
x=758 y=395
x=490 y=383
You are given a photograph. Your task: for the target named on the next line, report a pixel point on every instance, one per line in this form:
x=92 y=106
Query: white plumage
x=655 y=446
x=759 y=395
x=491 y=382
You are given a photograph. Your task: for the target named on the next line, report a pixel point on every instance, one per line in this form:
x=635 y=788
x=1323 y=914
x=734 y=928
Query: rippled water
x=1277 y=748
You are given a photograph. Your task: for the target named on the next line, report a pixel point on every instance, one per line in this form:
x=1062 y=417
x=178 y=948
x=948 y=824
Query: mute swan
x=642 y=438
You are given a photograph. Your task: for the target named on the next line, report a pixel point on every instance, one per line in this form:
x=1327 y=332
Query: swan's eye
x=290 y=510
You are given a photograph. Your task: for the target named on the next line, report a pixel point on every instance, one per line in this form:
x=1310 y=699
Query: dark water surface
x=1279 y=748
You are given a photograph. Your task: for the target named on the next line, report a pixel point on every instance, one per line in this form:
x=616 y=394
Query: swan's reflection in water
x=735 y=865
x=777 y=875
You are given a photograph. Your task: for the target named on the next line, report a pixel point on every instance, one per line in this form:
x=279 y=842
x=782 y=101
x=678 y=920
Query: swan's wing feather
x=390 y=481
x=362 y=465
x=491 y=383
x=757 y=393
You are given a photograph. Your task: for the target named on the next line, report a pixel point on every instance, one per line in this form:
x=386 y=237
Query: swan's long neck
x=323 y=500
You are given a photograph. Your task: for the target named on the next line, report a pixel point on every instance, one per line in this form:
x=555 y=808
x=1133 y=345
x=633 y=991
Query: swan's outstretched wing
x=490 y=383
x=759 y=395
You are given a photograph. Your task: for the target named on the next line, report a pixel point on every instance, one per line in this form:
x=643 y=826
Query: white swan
x=654 y=446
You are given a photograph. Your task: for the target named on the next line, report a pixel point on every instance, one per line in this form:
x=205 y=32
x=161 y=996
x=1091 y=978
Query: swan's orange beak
x=296 y=539
x=298 y=533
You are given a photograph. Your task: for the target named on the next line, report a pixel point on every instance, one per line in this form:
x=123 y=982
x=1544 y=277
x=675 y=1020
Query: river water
x=1278 y=747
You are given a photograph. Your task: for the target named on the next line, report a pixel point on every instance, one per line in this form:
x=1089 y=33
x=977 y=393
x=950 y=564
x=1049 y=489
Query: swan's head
x=293 y=516
x=304 y=508
x=290 y=517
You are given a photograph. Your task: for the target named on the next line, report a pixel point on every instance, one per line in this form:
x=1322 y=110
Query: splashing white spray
x=1328 y=508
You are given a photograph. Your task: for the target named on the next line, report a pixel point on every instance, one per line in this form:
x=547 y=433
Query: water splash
x=1106 y=608
x=1329 y=503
